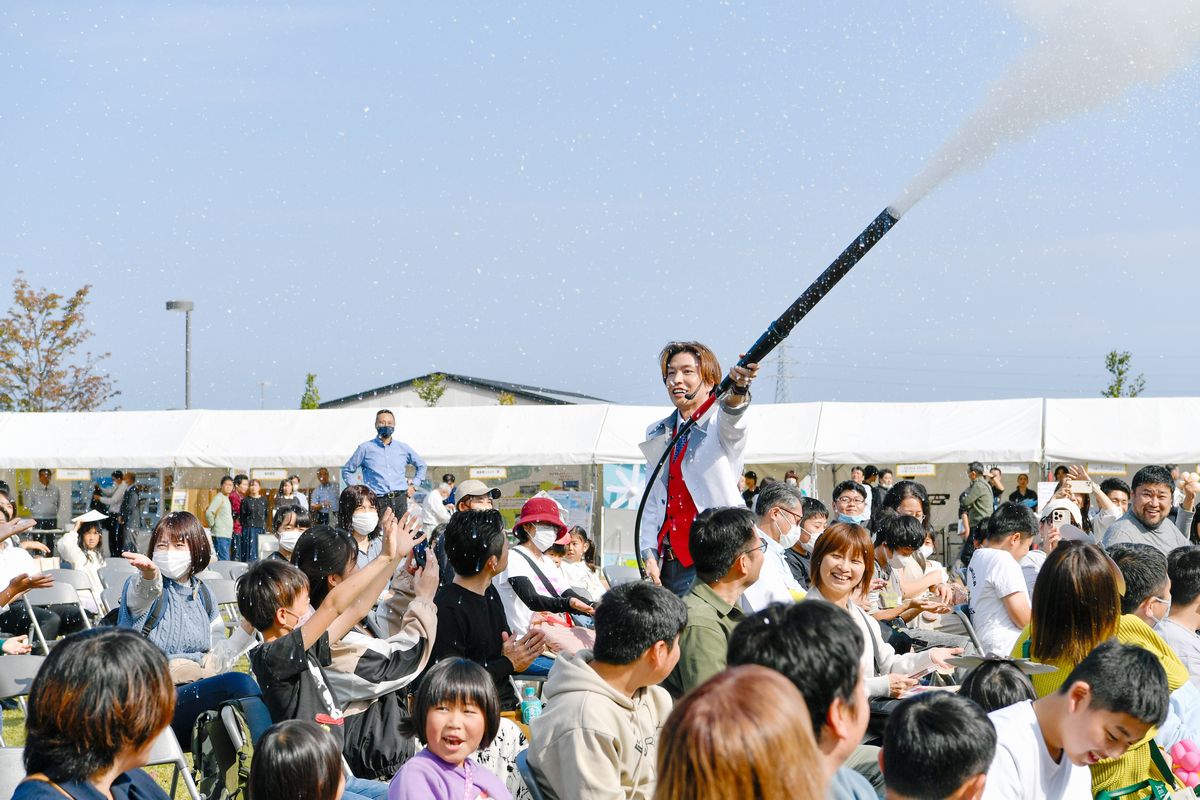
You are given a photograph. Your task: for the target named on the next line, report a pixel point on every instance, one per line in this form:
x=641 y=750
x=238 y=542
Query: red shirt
x=235 y=506
x=681 y=511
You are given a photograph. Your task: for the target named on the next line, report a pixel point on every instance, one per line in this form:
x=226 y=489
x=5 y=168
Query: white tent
x=1150 y=430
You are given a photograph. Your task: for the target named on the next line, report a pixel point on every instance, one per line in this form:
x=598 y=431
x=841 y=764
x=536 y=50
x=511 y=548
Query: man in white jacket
x=703 y=469
x=599 y=733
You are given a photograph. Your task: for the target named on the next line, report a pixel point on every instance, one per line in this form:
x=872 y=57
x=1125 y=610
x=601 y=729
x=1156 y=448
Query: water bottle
x=531 y=706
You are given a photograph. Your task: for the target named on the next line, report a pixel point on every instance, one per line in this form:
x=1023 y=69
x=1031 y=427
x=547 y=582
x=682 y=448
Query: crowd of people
x=777 y=647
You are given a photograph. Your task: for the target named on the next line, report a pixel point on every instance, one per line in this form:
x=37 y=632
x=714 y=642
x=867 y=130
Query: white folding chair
x=16 y=680
x=78 y=579
x=224 y=593
x=112 y=597
x=12 y=768
x=229 y=569
x=963 y=612
x=618 y=574
x=58 y=594
x=114 y=573
x=166 y=750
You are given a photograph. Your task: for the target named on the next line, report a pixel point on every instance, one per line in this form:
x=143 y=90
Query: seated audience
x=818 y=648
x=358 y=513
x=999 y=598
x=897 y=542
x=604 y=709
x=455 y=714
x=579 y=566
x=296 y=758
x=937 y=746
x=1117 y=493
x=173 y=608
x=843 y=565
x=1147 y=593
x=996 y=683
x=727 y=555
x=1049 y=535
x=1148 y=520
x=1107 y=704
x=290 y=663
x=83 y=547
x=376 y=661
x=744 y=733
x=917 y=574
x=289 y=524
x=1183 y=615
x=97 y=704
x=814 y=517
x=779 y=508
x=16 y=562
x=471 y=620
x=850 y=503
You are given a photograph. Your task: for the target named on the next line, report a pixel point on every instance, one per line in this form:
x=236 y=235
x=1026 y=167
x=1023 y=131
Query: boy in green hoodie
x=604 y=708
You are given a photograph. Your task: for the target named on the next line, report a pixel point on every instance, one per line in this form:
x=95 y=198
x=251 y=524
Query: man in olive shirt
x=728 y=556
x=974 y=506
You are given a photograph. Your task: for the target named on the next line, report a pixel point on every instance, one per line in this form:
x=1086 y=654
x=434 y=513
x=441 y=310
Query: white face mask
x=364 y=522
x=544 y=536
x=288 y=539
x=926 y=550
x=174 y=564
x=900 y=562
x=790 y=537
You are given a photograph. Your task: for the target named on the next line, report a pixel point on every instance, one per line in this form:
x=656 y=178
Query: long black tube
x=775 y=333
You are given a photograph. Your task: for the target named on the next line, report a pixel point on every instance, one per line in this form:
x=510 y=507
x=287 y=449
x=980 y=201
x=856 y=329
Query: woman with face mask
x=358 y=513
x=172 y=608
x=290 y=523
x=533 y=588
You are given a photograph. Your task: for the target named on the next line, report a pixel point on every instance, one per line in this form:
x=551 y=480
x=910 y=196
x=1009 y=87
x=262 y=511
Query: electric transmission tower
x=783 y=380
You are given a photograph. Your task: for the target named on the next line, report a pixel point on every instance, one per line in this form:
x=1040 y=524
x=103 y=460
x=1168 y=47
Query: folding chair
x=112 y=597
x=114 y=573
x=16 y=680
x=78 y=579
x=166 y=750
x=12 y=768
x=535 y=791
x=224 y=594
x=58 y=594
x=229 y=569
x=962 y=613
x=618 y=574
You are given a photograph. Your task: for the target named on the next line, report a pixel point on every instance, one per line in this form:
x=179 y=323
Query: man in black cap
x=751 y=480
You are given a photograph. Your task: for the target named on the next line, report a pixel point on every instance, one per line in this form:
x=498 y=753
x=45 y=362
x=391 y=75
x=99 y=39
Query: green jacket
x=977 y=501
x=704 y=643
x=219 y=516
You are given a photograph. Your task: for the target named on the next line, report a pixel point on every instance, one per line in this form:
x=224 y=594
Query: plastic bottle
x=531 y=706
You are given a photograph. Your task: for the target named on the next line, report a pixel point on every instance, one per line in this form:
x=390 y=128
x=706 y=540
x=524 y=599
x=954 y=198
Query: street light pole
x=186 y=307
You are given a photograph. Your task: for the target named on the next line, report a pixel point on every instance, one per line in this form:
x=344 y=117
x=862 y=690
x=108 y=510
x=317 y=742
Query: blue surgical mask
x=385 y=431
x=857 y=520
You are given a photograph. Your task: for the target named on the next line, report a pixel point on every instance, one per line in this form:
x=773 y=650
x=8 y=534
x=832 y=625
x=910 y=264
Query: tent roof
x=1143 y=430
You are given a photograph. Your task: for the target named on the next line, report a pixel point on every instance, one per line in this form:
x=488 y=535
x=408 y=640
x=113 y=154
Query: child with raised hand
x=456 y=713
x=296 y=759
x=289 y=664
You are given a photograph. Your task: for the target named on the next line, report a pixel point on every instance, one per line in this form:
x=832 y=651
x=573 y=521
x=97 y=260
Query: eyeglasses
x=796 y=518
x=762 y=548
x=851 y=500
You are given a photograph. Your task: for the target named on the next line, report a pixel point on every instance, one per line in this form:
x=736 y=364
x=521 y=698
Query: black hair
x=100 y=692
x=976 y=467
x=934 y=743
x=898 y=531
x=1153 y=474
x=45 y=470
x=472 y=537
x=223 y=479
x=348 y=502
x=718 y=536
x=813 y=508
x=448 y=477
x=455 y=680
x=904 y=490
x=1110 y=484
x=239 y=478
x=86 y=528
x=870 y=471
x=269 y=585
x=1144 y=569
x=849 y=486
x=885 y=472
x=814 y=644
x=1124 y=679
x=779 y=493
x=1183 y=567
x=183 y=526
x=633 y=618
x=381 y=412
x=296 y=759
x=300 y=517
x=996 y=683
x=1012 y=518
x=322 y=551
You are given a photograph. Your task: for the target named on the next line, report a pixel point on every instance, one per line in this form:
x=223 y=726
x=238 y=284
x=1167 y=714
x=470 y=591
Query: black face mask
x=385 y=431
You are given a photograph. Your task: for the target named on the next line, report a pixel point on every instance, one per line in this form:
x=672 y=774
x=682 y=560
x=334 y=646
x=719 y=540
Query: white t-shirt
x=517 y=612
x=433 y=511
x=1022 y=768
x=581 y=578
x=1186 y=645
x=775 y=583
x=992 y=576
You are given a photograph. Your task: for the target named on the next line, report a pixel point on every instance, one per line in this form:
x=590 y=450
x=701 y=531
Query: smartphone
x=1079 y=487
x=1060 y=516
x=419 y=553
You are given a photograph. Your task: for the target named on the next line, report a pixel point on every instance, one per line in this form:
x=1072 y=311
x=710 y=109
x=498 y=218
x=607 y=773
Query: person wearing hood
x=598 y=735
x=780 y=514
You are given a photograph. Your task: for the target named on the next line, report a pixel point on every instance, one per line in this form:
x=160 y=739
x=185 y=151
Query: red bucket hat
x=545 y=510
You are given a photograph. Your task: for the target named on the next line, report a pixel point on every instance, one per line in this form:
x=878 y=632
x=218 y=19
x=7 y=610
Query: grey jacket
x=1166 y=537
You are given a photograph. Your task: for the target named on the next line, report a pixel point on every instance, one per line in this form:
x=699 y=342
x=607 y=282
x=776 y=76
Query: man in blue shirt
x=383 y=462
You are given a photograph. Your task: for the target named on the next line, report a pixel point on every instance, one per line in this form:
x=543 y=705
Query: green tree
x=507 y=399
x=1122 y=384
x=431 y=388
x=41 y=368
x=311 y=397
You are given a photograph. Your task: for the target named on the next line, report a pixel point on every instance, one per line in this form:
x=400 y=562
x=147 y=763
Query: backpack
x=222 y=748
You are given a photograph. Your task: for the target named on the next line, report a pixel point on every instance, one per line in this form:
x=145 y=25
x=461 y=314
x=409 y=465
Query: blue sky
x=545 y=193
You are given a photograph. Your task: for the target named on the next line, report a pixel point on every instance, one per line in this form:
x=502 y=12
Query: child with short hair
x=1107 y=704
x=289 y=664
x=296 y=759
x=814 y=517
x=455 y=714
x=999 y=597
x=1179 y=627
x=937 y=746
x=995 y=684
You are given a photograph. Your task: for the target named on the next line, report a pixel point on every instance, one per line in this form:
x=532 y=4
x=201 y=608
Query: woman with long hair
x=745 y=732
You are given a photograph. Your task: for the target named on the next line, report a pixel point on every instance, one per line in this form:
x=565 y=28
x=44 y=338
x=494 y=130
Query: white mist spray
x=1084 y=54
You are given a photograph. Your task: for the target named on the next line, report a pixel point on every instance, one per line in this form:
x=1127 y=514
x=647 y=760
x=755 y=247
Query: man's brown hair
x=710 y=367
